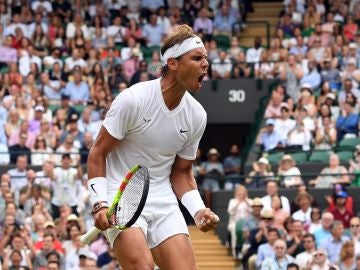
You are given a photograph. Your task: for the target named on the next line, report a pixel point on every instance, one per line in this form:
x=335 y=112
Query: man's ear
x=172 y=64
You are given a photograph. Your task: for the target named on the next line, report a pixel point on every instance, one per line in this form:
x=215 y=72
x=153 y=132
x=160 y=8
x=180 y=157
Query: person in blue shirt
x=78 y=90
x=269 y=138
x=347 y=123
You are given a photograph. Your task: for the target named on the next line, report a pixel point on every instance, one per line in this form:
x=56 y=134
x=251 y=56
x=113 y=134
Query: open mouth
x=201 y=77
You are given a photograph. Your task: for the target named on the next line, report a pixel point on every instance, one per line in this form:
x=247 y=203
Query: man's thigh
x=131 y=250
x=175 y=253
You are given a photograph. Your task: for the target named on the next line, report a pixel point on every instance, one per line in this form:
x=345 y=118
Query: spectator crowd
x=62 y=62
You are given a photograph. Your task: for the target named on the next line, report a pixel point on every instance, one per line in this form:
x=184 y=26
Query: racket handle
x=90 y=235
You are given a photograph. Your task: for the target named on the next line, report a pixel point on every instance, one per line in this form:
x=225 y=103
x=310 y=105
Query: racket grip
x=90 y=235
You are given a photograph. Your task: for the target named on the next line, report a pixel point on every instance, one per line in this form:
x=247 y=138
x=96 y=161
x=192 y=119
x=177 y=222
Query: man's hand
x=206 y=220
x=100 y=219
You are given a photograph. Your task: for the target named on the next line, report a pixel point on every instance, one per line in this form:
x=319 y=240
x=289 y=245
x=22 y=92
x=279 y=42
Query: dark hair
x=66 y=155
x=272 y=229
x=17 y=252
x=309 y=235
x=292 y=265
x=53 y=253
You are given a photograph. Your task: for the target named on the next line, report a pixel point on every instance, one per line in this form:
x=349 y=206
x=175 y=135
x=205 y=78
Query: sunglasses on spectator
x=267 y=218
x=319 y=254
x=307 y=241
x=355 y=225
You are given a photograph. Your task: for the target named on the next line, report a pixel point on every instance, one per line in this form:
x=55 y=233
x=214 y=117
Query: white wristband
x=193 y=202
x=98 y=190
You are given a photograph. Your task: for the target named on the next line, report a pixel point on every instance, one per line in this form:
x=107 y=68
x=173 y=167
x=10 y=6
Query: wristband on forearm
x=97 y=189
x=192 y=202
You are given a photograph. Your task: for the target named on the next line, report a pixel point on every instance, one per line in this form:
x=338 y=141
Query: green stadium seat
x=299 y=157
x=345 y=156
x=223 y=41
x=349 y=143
x=274 y=158
x=319 y=157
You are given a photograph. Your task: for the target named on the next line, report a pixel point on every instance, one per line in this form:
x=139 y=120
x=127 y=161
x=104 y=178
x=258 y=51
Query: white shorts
x=160 y=219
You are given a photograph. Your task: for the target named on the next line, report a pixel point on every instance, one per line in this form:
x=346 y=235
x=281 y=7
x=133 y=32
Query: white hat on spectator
x=352 y=45
x=213 y=151
x=39 y=108
x=72 y=217
x=270 y=121
x=331 y=96
x=306 y=86
x=263 y=161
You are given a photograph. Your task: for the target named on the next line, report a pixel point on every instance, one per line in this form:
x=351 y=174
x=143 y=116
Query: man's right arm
x=102 y=146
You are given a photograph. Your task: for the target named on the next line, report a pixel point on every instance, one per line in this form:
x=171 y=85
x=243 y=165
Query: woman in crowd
x=41 y=152
x=290 y=174
x=347 y=260
x=239 y=210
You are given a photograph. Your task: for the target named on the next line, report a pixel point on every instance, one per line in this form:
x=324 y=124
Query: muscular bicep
x=102 y=146
x=182 y=177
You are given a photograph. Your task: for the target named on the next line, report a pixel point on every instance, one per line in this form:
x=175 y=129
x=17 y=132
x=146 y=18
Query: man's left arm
x=185 y=188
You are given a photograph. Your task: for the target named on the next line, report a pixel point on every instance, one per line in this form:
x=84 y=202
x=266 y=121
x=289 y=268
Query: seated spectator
x=85 y=147
x=266 y=250
x=74 y=60
x=68 y=147
x=153 y=32
x=320 y=261
x=234 y=49
x=203 y=23
x=284 y=124
x=260 y=174
x=325 y=135
x=239 y=209
x=18 y=174
x=330 y=74
x=331 y=199
x=347 y=259
x=355 y=233
x=253 y=54
x=273 y=109
x=40 y=257
x=269 y=138
x=15 y=139
x=272 y=189
x=280 y=258
x=72 y=130
x=333 y=243
x=78 y=90
x=334 y=174
x=304 y=213
x=221 y=67
x=212 y=171
x=347 y=123
x=323 y=232
x=299 y=137
x=280 y=215
x=340 y=212
x=295 y=237
x=232 y=165
x=41 y=152
x=315 y=216
x=304 y=258
x=313 y=78
x=265 y=69
x=223 y=21
x=290 y=174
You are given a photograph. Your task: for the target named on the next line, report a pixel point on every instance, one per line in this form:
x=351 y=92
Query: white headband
x=184 y=47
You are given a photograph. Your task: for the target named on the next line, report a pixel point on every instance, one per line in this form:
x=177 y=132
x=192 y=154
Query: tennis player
x=158 y=124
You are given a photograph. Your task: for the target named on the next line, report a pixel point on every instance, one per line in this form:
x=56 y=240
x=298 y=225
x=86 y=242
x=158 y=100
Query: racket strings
x=131 y=198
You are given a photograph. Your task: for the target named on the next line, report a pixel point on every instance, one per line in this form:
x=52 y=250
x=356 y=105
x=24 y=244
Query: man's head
x=21 y=163
x=320 y=257
x=48 y=240
x=66 y=161
x=308 y=241
x=185 y=58
x=280 y=248
x=326 y=220
x=270 y=125
x=337 y=229
x=22 y=138
x=272 y=188
x=272 y=235
x=257 y=207
x=355 y=226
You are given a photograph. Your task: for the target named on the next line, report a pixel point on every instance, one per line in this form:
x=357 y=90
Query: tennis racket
x=128 y=203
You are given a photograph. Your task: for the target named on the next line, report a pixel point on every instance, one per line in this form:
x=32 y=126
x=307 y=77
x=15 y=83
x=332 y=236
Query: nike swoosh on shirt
x=92 y=187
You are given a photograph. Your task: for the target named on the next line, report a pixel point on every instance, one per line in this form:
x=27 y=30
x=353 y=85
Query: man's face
x=355 y=226
x=191 y=69
x=21 y=163
x=48 y=243
x=338 y=230
x=280 y=249
x=271 y=188
x=319 y=257
x=308 y=243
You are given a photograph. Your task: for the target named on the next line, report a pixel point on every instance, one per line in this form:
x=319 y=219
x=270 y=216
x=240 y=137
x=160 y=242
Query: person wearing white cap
x=290 y=173
x=159 y=124
x=260 y=174
x=269 y=138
